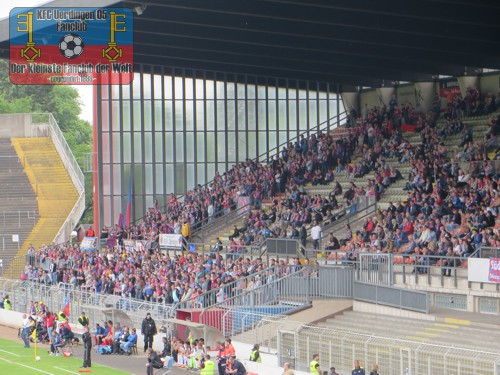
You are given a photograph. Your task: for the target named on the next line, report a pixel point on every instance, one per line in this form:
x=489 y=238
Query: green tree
x=64 y=103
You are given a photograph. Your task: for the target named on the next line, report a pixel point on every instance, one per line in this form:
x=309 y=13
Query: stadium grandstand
x=318 y=178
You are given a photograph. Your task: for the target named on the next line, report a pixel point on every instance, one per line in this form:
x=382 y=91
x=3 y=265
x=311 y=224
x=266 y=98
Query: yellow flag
x=33 y=335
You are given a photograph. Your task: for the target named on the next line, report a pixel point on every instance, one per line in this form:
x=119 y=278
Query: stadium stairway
x=438 y=330
x=53 y=186
x=18 y=202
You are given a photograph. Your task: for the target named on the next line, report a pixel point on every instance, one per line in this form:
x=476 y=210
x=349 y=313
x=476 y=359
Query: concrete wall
x=15 y=125
x=269 y=364
x=391 y=311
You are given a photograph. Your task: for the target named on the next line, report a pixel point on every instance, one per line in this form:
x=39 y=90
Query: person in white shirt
x=316 y=235
x=25 y=331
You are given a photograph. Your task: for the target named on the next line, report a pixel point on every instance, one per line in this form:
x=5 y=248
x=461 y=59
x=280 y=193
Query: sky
x=84 y=90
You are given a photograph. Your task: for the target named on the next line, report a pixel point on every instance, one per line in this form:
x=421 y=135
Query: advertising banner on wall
x=172 y=241
x=494 y=271
x=484 y=270
x=448 y=89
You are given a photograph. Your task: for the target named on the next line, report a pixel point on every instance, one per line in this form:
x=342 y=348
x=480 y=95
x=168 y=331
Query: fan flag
x=66 y=309
x=71 y=46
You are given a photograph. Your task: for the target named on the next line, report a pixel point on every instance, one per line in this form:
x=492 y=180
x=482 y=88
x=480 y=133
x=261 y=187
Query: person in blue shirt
x=100 y=332
x=131 y=341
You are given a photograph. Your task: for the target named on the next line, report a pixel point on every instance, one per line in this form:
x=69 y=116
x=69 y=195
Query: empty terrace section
x=52 y=184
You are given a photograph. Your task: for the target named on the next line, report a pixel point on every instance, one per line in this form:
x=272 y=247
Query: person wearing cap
x=83 y=320
x=234 y=366
x=148 y=329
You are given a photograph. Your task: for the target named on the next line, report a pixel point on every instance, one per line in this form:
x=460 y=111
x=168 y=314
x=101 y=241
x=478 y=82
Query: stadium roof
x=350 y=42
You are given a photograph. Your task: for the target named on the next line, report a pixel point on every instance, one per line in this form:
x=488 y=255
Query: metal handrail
x=351 y=217
x=70 y=163
x=211 y=294
x=58 y=137
x=229 y=302
x=211 y=224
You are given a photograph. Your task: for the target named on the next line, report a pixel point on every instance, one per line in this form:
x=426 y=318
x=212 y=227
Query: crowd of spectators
x=450 y=211
x=151 y=276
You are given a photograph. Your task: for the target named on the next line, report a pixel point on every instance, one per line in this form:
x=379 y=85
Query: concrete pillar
x=350 y=99
x=468 y=81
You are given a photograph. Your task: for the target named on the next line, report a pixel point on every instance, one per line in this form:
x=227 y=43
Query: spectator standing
x=148 y=330
x=221 y=359
x=25 y=331
x=316 y=235
x=53 y=274
x=314 y=367
x=87 y=347
x=186 y=230
x=255 y=355
x=357 y=370
x=6 y=303
x=286 y=369
x=332 y=371
x=374 y=370
x=83 y=320
x=303 y=236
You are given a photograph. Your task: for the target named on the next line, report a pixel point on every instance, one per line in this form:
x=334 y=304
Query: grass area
x=15 y=359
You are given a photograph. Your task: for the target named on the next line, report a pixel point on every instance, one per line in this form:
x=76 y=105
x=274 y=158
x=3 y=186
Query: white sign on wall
x=479 y=270
x=172 y=241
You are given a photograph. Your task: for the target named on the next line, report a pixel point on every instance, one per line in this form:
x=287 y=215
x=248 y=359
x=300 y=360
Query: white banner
x=129 y=245
x=173 y=241
x=478 y=270
x=88 y=244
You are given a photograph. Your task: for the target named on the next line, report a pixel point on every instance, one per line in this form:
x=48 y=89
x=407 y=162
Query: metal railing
x=272 y=298
x=283 y=295
x=232 y=289
x=389 y=296
x=390 y=269
x=487 y=252
x=396 y=355
x=211 y=225
x=364 y=207
x=44 y=124
x=230 y=251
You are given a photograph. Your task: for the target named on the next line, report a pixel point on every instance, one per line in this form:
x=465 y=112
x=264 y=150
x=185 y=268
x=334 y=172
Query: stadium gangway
x=230 y=251
x=360 y=209
x=202 y=229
